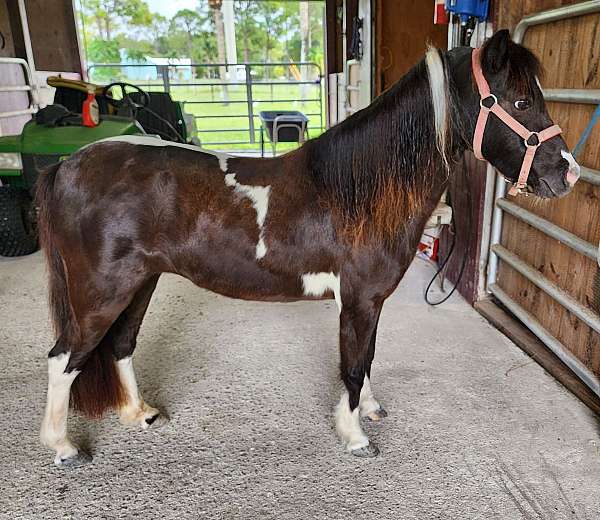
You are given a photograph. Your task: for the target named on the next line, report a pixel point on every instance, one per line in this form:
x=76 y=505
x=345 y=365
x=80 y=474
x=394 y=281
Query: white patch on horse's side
x=574 y=167
x=347 y=424
x=147 y=140
x=135 y=411
x=439 y=98
x=54 y=425
x=259 y=195
x=316 y=284
x=367 y=404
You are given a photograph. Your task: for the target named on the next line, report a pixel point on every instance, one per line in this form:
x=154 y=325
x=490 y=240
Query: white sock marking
x=368 y=404
x=439 y=98
x=316 y=284
x=259 y=195
x=136 y=411
x=54 y=425
x=347 y=424
x=147 y=140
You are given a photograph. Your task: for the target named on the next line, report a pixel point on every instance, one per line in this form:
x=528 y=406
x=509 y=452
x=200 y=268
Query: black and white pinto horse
x=339 y=218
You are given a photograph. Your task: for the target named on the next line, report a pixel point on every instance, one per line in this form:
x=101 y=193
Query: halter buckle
x=491 y=97
x=537 y=139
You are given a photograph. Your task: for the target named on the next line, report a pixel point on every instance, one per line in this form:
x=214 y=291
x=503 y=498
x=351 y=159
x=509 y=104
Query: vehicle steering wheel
x=126 y=100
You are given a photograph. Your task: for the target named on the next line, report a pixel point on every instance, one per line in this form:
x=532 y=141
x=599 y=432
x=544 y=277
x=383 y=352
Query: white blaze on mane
x=259 y=195
x=439 y=98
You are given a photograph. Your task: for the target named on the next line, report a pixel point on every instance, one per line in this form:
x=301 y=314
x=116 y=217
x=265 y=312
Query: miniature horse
x=338 y=218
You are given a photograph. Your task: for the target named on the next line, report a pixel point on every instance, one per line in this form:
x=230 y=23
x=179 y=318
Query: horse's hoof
x=81 y=458
x=367 y=452
x=377 y=415
x=156 y=422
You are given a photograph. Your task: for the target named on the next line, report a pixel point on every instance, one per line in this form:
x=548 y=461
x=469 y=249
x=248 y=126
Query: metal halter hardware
x=495 y=108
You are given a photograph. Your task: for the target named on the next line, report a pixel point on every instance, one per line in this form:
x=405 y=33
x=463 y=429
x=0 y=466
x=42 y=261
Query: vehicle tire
x=18 y=222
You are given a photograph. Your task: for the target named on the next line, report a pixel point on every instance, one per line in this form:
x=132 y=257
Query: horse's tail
x=60 y=308
x=98 y=386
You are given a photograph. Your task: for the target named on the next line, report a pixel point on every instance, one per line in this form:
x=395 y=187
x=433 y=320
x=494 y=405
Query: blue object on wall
x=468 y=8
x=586 y=133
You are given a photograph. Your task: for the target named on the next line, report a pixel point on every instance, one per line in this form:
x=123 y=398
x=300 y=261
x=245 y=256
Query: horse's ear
x=495 y=51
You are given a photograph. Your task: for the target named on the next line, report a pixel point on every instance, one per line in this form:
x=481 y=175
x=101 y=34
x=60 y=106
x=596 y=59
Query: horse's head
x=511 y=72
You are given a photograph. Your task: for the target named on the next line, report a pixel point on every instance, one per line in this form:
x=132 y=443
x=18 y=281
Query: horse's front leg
x=369 y=406
x=358 y=322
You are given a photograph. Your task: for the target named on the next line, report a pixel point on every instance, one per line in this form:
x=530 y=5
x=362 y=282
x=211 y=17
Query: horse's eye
x=522 y=104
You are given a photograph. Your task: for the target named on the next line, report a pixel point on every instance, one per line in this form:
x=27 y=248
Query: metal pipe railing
x=15 y=88
x=547 y=227
x=16 y=113
x=573 y=95
x=562 y=352
x=554 y=15
x=244 y=75
x=590 y=175
x=585 y=314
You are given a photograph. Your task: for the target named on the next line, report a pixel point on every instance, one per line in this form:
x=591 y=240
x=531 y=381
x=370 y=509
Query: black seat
x=160 y=103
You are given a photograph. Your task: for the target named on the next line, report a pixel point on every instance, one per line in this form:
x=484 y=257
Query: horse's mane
x=376 y=167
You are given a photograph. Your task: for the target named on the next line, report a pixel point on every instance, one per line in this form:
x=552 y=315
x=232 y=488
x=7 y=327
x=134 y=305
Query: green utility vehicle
x=56 y=132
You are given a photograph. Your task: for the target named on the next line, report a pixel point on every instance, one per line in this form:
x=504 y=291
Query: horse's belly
x=232 y=268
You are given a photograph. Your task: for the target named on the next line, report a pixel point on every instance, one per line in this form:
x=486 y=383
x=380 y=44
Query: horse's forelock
x=524 y=69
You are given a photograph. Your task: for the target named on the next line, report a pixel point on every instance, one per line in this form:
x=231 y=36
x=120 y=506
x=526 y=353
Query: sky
x=170 y=7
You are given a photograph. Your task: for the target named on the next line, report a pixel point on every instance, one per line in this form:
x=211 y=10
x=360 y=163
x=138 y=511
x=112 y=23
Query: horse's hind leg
x=54 y=425
x=66 y=361
x=123 y=335
x=81 y=365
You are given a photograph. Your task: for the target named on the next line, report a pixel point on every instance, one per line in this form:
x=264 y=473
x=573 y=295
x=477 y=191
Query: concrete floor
x=476 y=429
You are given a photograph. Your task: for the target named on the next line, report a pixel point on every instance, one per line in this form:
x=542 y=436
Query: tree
x=216 y=5
x=304 y=44
x=272 y=14
x=101 y=51
x=192 y=25
x=107 y=13
x=248 y=28
x=159 y=30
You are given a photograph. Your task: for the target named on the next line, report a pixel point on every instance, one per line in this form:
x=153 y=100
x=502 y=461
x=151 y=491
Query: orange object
x=90 y=112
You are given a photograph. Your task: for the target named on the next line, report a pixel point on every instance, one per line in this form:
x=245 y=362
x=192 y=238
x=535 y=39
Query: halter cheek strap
x=488 y=102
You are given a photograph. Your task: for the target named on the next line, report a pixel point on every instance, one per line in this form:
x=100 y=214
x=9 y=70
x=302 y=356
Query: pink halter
x=532 y=139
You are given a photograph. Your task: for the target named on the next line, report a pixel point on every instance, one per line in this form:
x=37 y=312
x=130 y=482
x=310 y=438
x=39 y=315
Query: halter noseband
x=489 y=103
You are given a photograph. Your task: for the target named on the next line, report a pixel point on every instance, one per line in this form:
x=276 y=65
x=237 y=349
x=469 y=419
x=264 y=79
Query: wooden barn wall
x=334 y=38
x=570 y=53
x=53 y=35
x=403 y=30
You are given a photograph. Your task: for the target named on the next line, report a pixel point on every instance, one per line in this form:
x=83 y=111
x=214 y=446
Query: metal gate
x=502 y=205
x=250 y=88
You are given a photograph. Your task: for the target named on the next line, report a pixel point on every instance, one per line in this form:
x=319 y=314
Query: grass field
x=219 y=122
